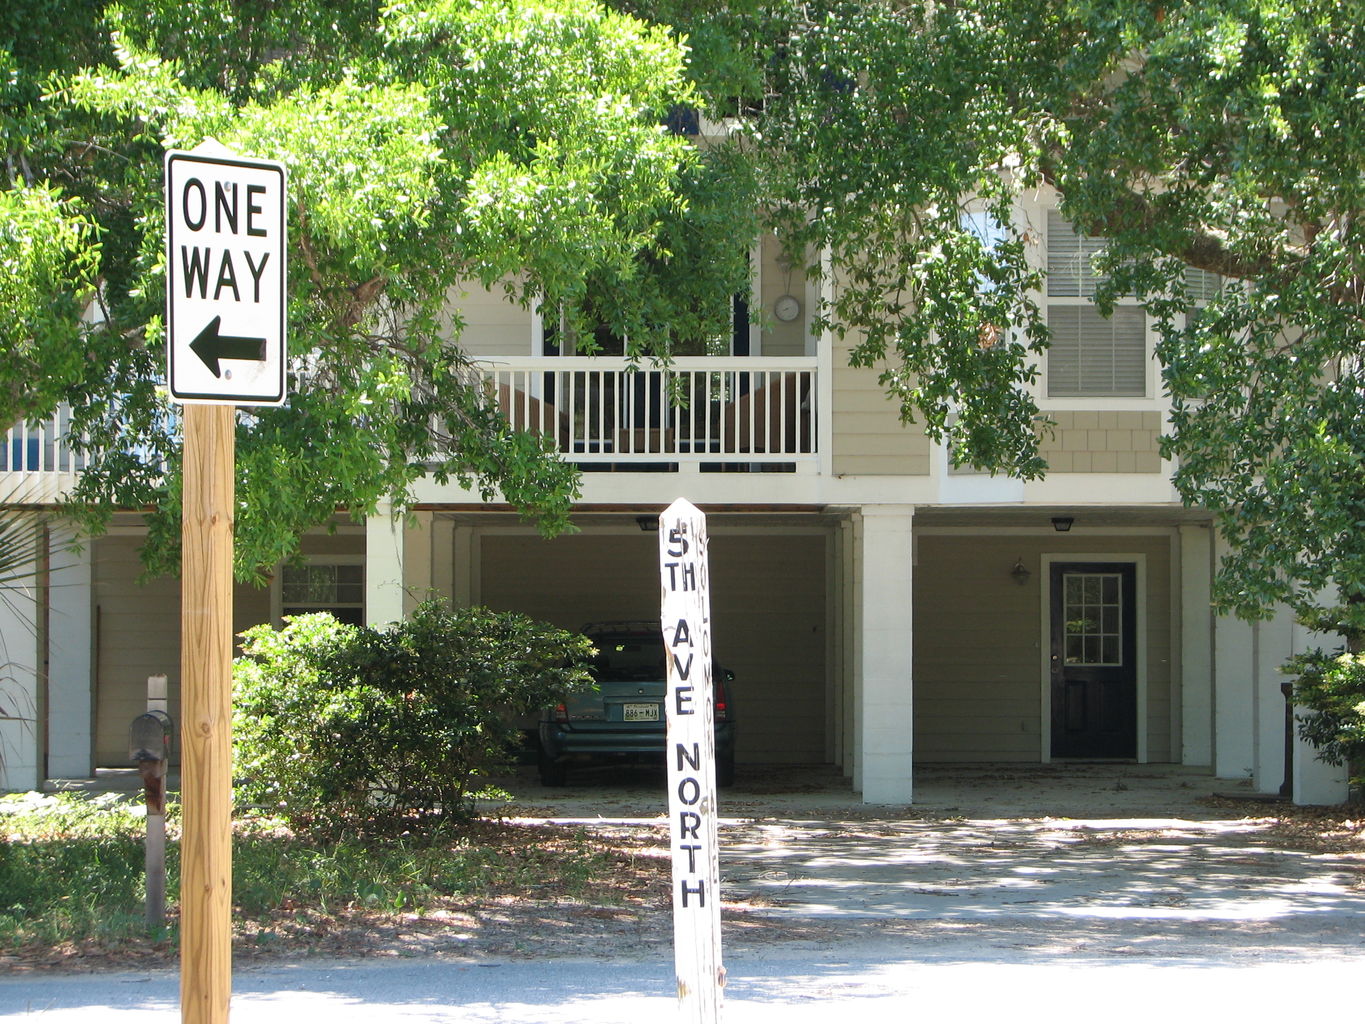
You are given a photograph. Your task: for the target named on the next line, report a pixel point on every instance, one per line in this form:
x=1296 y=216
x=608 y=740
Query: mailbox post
x=149 y=745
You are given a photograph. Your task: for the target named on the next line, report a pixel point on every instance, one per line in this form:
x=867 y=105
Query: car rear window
x=629 y=659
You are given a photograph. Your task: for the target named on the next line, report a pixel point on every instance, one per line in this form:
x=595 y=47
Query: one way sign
x=225 y=278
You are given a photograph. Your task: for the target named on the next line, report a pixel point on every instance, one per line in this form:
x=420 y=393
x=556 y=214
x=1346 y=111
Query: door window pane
x=1093 y=613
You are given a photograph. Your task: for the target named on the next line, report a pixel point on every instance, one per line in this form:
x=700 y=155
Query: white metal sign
x=691 y=753
x=225 y=278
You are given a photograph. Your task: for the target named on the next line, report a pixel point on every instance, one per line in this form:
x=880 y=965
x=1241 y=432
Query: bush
x=1331 y=684
x=340 y=727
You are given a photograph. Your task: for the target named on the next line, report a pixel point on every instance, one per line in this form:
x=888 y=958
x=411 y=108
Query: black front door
x=1094 y=659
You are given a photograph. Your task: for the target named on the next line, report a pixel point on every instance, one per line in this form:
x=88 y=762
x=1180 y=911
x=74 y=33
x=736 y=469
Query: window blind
x=1091 y=355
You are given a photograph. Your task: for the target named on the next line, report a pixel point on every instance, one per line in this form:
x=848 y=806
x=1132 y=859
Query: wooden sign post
x=206 y=714
x=225 y=346
x=691 y=754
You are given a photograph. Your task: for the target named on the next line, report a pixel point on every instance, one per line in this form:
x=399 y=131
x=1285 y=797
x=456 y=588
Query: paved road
x=792 y=989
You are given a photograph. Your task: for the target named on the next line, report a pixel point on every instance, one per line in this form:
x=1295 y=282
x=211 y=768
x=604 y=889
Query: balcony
x=36 y=465
x=727 y=414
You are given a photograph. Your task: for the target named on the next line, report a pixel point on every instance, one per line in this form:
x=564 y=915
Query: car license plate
x=640 y=712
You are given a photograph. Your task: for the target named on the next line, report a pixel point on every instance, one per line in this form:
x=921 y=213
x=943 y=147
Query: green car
x=623 y=719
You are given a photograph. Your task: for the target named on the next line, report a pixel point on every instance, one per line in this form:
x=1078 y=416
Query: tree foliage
x=343 y=727
x=1331 y=684
x=1222 y=136
x=1219 y=135
x=441 y=141
x=429 y=145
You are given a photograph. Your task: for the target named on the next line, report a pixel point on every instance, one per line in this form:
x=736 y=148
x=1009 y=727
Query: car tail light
x=722 y=704
x=561 y=712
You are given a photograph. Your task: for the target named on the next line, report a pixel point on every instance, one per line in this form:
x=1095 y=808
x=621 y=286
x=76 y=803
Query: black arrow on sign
x=210 y=346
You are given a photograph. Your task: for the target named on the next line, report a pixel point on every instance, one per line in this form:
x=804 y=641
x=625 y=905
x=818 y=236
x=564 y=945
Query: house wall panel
x=869 y=437
x=768 y=612
x=1103 y=442
x=137 y=627
x=494 y=325
x=781 y=339
x=979 y=653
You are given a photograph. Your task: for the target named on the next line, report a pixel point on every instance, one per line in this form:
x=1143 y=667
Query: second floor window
x=1091 y=355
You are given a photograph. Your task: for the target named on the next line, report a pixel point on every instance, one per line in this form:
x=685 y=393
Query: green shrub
x=1331 y=685
x=340 y=727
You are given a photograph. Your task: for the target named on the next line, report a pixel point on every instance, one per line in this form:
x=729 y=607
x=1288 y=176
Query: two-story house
x=878 y=608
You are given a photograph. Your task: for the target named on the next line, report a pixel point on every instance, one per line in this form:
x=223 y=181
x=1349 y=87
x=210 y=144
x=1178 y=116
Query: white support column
x=19 y=615
x=1273 y=645
x=443 y=557
x=885 y=715
x=843 y=666
x=383 y=567
x=1315 y=781
x=853 y=701
x=1233 y=695
x=465 y=589
x=417 y=550
x=70 y=669
x=833 y=646
x=1196 y=645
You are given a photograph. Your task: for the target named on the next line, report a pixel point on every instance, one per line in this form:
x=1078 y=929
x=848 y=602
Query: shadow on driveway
x=1040 y=861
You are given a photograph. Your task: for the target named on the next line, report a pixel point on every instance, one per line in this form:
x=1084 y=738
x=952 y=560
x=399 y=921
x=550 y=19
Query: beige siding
x=137 y=628
x=869 y=437
x=768 y=607
x=494 y=325
x=1103 y=442
x=978 y=665
x=322 y=544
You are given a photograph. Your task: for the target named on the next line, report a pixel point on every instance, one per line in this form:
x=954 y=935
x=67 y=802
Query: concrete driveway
x=1031 y=861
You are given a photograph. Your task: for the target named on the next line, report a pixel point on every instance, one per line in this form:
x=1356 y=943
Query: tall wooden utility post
x=206 y=713
x=225 y=342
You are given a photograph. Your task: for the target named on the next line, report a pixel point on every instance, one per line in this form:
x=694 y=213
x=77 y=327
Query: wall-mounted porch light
x=1020 y=573
x=1062 y=524
x=647 y=523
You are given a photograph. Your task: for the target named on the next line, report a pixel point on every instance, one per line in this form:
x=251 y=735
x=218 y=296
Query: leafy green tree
x=1218 y=135
x=512 y=144
x=344 y=727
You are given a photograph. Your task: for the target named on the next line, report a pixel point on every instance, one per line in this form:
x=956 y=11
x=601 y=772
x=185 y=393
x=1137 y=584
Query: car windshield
x=629 y=659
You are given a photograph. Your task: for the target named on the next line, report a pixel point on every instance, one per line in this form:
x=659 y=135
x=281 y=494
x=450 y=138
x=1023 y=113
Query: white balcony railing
x=40 y=447
x=746 y=413
x=36 y=463
x=750 y=412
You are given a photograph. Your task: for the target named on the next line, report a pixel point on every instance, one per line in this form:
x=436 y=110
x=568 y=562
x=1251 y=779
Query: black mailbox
x=149 y=737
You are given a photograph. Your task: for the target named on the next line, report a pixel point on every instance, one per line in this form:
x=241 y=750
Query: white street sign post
x=691 y=753
x=225 y=343
x=225 y=278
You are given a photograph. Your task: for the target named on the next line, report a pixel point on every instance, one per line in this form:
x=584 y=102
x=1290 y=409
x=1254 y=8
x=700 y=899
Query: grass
x=72 y=878
x=70 y=869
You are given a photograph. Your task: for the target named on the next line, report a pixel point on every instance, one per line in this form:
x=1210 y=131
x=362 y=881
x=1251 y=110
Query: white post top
x=681 y=509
